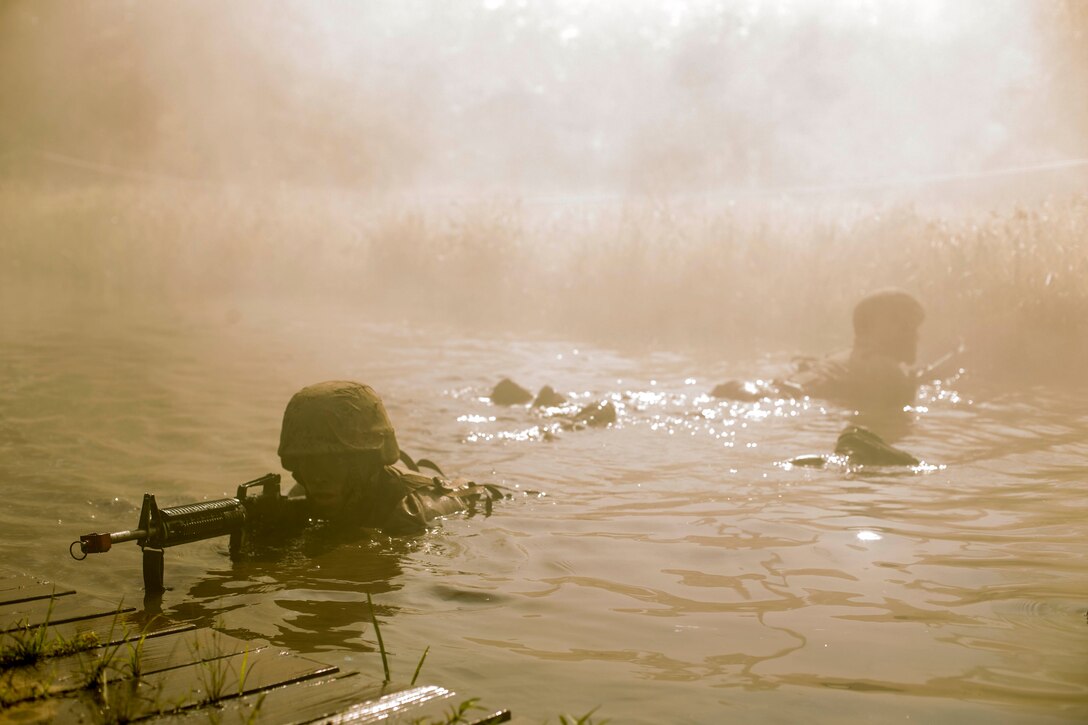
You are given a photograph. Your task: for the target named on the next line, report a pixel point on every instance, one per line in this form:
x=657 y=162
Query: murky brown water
x=673 y=572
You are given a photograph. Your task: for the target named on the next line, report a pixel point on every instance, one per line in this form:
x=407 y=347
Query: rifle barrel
x=99 y=543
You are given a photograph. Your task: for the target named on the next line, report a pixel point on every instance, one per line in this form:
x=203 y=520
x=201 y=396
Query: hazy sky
x=557 y=95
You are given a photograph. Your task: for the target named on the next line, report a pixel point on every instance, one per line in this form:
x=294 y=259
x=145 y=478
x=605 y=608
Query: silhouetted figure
x=338 y=443
x=876 y=373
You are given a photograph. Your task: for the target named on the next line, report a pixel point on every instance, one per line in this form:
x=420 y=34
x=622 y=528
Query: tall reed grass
x=733 y=279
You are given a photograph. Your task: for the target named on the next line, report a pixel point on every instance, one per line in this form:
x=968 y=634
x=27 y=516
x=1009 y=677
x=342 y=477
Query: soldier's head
x=335 y=434
x=886 y=323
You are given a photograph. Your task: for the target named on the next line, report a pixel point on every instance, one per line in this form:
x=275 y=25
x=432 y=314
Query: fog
x=563 y=96
x=207 y=205
x=568 y=155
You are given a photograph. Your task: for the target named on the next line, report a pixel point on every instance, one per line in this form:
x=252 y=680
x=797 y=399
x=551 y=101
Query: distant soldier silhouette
x=877 y=373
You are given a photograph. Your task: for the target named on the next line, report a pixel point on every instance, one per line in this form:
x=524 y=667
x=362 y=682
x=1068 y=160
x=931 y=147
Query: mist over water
x=731 y=175
x=567 y=97
x=206 y=206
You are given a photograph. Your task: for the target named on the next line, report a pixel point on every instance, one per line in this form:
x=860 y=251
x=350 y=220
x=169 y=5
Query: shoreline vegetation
x=732 y=278
x=38 y=664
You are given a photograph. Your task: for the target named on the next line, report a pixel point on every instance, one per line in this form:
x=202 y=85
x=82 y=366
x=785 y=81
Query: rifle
x=927 y=372
x=160 y=528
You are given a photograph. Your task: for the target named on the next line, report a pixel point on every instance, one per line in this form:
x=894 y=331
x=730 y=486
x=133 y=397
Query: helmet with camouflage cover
x=336 y=417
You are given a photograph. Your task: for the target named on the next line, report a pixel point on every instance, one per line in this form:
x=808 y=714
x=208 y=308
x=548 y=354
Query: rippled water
x=672 y=571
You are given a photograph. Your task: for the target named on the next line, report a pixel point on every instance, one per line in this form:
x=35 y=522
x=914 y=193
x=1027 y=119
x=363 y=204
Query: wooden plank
x=197 y=685
x=189 y=647
x=32 y=590
x=14 y=580
x=30 y=713
x=428 y=703
x=238 y=674
x=55 y=611
x=348 y=698
x=58 y=675
x=113 y=629
x=182 y=671
x=182 y=688
x=296 y=703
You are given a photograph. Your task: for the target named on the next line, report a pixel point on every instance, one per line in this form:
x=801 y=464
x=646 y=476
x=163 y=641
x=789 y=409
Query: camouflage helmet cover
x=333 y=417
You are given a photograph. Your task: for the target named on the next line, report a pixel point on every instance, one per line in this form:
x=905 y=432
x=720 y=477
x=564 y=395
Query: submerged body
x=876 y=374
x=858 y=379
x=401 y=502
x=855 y=380
x=340 y=446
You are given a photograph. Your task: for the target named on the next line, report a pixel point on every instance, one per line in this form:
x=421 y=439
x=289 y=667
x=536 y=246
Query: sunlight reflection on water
x=672 y=564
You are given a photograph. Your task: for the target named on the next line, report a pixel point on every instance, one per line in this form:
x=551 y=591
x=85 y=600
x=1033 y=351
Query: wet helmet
x=336 y=417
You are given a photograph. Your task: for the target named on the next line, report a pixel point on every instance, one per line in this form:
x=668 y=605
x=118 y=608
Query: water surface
x=668 y=568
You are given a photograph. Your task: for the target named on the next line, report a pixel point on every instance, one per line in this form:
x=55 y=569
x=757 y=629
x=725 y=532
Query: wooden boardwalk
x=72 y=658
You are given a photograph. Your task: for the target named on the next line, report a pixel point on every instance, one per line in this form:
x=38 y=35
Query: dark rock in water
x=597 y=415
x=548 y=398
x=736 y=390
x=507 y=392
x=864 y=448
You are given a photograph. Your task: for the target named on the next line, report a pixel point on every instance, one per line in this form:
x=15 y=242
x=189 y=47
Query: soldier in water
x=876 y=377
x=338 y=443
x=876 y=374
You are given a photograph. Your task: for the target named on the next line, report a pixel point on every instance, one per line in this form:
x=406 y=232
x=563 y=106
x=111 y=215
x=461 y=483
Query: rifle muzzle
x=162 y=528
